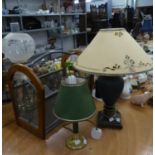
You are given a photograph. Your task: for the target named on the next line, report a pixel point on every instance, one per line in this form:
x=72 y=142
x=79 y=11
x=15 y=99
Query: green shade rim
x=69 y=120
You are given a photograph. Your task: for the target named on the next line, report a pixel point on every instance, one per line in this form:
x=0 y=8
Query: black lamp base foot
x=112 y=122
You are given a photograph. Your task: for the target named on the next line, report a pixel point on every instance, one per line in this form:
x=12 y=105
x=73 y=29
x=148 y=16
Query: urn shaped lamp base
x=112 y=122
x=109 y=89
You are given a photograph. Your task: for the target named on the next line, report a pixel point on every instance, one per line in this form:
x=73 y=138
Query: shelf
x=72 y=34
x=5 y=33
x=72 y=14
x=28 y=15
x=46 y=29
x=41 y=29
x=33 y=30
x=100 y=20
x=39 y=15
x=11 y=15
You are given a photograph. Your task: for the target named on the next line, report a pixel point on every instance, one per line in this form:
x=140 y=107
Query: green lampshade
x=74 y=101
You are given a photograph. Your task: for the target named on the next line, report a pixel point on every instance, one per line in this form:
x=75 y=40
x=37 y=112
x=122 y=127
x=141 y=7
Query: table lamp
x=74 y=103
x=111 y=54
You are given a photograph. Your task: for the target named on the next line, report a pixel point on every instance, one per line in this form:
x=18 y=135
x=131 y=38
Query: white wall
x=144 y=3
x=97 y=3
x=122 y=3
x=119 y=3
x=39 y=37
x=68 y=43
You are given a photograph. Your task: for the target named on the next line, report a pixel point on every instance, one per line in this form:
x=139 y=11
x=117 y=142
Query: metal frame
x=48 y=29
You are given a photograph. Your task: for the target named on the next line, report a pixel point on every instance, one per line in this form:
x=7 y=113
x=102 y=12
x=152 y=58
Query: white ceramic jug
x=127 y=88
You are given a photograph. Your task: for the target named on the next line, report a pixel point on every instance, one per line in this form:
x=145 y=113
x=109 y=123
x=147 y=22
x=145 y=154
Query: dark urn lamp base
x=105 y=122
x=109 y=89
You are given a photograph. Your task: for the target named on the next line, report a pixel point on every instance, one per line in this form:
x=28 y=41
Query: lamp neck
x=109 y=77
x=75 y=127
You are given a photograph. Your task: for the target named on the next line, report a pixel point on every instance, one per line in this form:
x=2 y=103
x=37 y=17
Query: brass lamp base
x=76 y=141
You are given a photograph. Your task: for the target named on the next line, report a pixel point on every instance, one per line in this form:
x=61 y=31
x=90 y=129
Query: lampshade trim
x=119 y=34
x=112 y=29
x=98 y=72
x=113 y=68
x=129 y=62
x=144 y=64
x=79 y=120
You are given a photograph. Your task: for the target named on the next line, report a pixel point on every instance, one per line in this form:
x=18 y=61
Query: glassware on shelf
x=14 y=26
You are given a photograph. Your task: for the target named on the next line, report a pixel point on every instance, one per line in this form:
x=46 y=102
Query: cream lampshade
x=112 y=53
